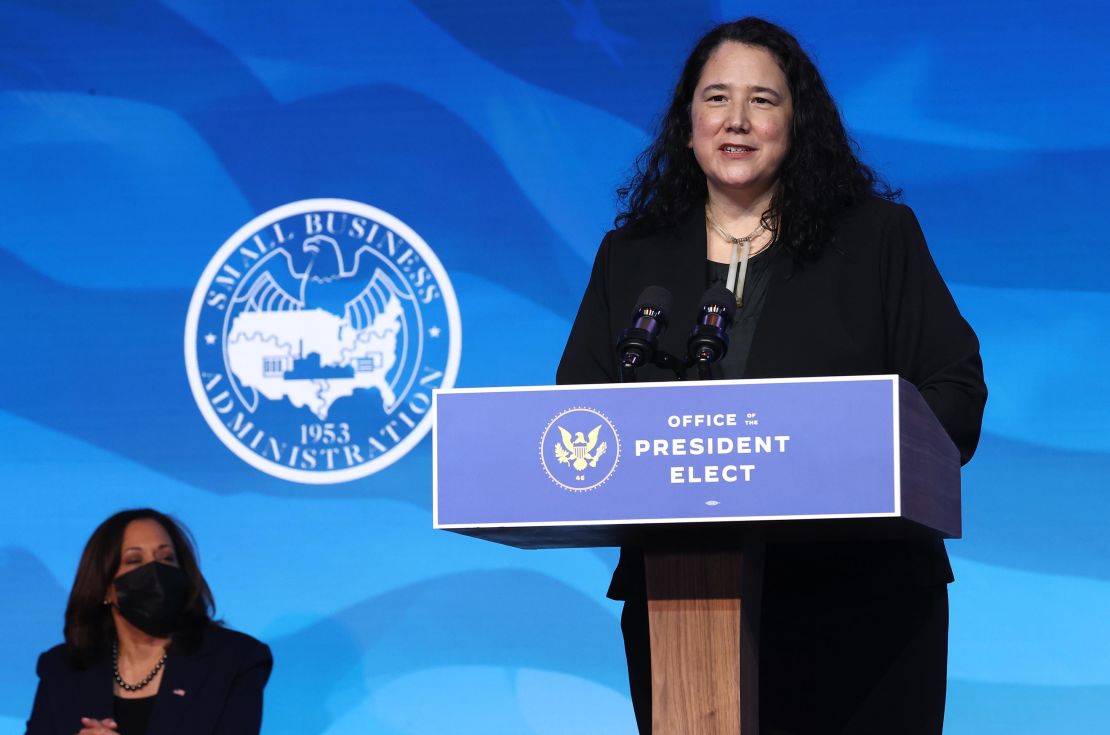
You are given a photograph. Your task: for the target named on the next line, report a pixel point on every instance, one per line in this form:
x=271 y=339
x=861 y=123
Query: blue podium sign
x=687 y=453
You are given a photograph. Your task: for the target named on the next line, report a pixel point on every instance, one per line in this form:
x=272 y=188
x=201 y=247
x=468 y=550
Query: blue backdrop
x=136 y=137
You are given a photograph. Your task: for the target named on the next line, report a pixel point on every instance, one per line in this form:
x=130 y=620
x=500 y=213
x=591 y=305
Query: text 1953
x=327 y=433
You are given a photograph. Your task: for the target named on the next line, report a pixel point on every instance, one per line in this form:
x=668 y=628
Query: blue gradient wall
x=135 y=138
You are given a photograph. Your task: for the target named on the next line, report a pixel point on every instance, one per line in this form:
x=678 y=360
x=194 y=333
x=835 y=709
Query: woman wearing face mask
x=142 y=655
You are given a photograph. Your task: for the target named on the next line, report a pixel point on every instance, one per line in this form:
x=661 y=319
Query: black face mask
x=151 y=597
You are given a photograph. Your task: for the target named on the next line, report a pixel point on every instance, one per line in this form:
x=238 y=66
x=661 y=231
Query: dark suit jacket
x=217 y=690
x=873 y=303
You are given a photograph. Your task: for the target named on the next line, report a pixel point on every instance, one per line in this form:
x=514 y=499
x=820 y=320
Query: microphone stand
x=703 y=356
x=661 y=359
x=703 y=369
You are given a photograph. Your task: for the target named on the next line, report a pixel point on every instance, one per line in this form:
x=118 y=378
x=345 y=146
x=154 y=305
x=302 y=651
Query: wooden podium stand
x=895 y=474
x=703 y=609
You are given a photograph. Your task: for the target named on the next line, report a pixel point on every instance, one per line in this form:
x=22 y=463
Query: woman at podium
x=752 y=183
x=142 y=653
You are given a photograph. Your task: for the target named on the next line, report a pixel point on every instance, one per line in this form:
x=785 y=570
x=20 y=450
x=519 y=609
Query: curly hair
x=89 y=629
x=820 y=177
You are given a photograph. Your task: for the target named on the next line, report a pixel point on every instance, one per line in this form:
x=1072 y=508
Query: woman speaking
x=142 y=655
x=752 y=183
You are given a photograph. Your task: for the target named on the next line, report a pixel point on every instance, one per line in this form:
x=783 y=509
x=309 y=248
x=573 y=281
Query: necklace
x=149 y=677
x=728 y=237
x=736 y=277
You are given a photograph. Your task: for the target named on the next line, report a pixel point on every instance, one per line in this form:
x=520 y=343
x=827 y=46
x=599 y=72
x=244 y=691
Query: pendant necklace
x=739 y=257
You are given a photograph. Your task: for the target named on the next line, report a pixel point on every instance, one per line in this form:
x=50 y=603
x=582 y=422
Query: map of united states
x=313 y=357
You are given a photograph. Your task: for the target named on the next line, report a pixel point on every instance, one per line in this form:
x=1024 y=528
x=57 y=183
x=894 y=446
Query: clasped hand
x=91 y=726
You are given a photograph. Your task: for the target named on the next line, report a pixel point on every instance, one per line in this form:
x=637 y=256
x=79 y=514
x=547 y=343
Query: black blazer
x=873 y=303
x=217 y=690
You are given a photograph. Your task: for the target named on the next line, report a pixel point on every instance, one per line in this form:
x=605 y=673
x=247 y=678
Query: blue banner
x=150 y=149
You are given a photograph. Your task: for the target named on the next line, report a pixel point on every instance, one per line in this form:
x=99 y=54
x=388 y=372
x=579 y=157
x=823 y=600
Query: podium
x=700 y=475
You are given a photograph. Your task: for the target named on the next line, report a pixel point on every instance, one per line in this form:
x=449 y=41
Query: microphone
x=708 y=341
x=637 y=344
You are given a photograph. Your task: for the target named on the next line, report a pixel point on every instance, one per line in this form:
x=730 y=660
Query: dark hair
x=89 y=629
x=819 y=178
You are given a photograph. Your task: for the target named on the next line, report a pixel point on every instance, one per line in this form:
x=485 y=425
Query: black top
x=873 y=303
x=742 y=331
x=215 y=690
x=132 y=716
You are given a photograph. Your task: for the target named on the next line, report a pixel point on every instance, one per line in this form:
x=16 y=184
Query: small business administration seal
x=580 y=449
x=315 y=337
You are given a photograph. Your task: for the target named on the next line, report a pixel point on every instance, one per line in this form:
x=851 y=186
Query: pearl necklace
x=149 y=677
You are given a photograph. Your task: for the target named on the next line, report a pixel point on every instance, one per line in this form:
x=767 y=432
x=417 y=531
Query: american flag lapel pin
x=179 y=692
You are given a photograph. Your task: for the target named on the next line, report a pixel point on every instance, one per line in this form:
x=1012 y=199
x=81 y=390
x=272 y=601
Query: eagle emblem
x=577 y=450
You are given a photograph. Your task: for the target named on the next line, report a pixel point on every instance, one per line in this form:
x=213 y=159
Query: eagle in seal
x=578 y=450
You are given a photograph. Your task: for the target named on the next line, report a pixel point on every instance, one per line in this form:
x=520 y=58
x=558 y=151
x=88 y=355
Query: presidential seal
x=315 y=337
x=580 y=449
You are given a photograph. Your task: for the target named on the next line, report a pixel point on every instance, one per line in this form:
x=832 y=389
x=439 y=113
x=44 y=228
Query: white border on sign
x=896 y=484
